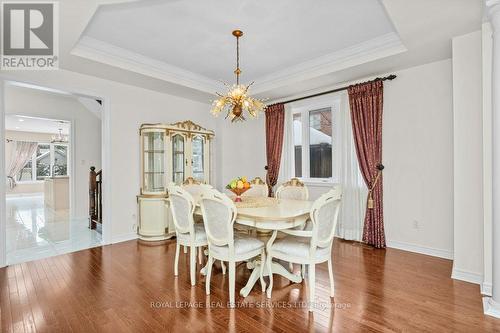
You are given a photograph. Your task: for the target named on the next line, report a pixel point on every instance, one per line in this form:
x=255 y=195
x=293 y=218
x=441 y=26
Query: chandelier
x=237 y=101
x=59 y=138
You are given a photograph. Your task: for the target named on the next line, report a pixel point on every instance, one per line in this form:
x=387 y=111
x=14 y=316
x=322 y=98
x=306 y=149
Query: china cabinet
x=169 y=154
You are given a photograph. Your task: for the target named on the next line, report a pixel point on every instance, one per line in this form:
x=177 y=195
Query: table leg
x=277 y=269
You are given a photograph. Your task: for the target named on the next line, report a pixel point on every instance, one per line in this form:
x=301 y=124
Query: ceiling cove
x=187 y=42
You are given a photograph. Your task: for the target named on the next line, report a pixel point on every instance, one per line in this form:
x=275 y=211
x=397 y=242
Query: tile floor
x=34 y=231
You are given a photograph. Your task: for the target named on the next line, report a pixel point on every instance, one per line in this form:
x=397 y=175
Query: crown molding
x=376 y=48
x=113 y=55
x=370 y=50
x=491 y=3
x=492 y=9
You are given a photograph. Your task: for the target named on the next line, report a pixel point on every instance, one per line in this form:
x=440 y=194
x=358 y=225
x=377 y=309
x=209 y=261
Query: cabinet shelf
x=152 y=151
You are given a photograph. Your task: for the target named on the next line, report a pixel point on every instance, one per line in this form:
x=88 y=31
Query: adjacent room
x=47 y=193
x=250 y=165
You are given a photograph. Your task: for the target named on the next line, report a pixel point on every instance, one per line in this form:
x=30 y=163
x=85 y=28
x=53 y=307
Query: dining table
x=268 y=216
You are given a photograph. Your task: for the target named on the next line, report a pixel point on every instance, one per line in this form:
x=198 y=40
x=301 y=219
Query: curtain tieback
x=371 y=202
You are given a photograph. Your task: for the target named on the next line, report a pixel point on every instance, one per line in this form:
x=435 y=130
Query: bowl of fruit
x=238 y=186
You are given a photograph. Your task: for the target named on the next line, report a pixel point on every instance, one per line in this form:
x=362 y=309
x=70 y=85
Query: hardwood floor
x=130 y=287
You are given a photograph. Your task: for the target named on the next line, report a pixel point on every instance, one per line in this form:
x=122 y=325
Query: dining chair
x=195 y=188
x=293 y=189
x=309 y=247
x=258 y=188
x=189 y=234
x=296 y=190
x=219 y=215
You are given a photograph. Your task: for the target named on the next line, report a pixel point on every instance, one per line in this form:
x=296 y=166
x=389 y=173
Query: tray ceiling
x=190 y=42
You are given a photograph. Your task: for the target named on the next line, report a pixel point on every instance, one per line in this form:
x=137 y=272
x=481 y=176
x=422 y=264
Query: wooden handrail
x=95 y=199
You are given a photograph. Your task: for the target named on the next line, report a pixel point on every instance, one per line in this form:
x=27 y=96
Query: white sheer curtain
x=21 y=155
x=347 y=173
x=287 y=157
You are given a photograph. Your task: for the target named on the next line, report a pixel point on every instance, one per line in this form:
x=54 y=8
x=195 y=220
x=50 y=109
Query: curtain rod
x=390 y=78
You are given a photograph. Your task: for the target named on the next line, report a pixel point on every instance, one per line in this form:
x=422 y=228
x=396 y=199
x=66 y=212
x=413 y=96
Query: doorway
x=47 y=192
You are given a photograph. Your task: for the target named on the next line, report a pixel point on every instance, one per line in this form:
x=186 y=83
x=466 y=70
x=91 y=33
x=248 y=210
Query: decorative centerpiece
x=238 y=186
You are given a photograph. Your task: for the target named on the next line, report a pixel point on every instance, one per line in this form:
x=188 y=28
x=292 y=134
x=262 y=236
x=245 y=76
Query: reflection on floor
x=34 y=231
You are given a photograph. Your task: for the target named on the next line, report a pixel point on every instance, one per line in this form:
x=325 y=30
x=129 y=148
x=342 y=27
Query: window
x=313 y=143
x=297 y=138
x=60 y=167
x=42 y=161
x=48 y=160
x=320 y=143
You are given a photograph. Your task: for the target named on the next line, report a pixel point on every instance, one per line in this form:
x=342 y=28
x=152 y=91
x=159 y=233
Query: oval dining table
x=272 y=215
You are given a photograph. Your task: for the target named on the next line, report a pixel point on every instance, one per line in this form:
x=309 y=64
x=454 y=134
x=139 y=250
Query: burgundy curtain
x=275 y=122
x=366 y=102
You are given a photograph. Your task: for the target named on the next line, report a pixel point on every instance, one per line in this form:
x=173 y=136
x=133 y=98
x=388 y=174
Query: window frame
x=51 y=145
x=304 y=109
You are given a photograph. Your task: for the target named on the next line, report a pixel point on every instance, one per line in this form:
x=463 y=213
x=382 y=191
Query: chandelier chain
x=237 y=60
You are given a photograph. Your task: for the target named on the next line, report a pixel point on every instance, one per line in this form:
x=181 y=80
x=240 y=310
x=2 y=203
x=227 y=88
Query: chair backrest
x=293 y=189
x=258 y=188
x=336 y=191
x=182 y=207
x=324 y=216
x=219 y=214
x=195 y=187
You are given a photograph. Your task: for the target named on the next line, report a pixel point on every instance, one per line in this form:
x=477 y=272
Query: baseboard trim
x=446 y=254
x=124 y=238
x=467 y=276
x=490 y=307
x=486 y=289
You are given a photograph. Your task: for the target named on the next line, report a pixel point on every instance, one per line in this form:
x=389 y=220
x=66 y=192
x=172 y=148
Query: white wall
x=86 y=133
x=468 y=157
x=126 y=108
x=243 y=147
x=418 y=155
x=25 y=187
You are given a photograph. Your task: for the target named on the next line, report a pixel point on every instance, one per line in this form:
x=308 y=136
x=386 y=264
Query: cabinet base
x=153 y=243
x=155 y=238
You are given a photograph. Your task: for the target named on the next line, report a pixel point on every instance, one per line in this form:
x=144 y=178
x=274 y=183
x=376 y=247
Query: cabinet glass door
x=198 y=158
x=154 y=157
x=178 y=157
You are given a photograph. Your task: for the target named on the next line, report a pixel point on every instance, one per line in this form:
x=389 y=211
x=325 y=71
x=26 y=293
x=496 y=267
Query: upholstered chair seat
x=298 y=248
x=243 y=244
x=200 y=237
